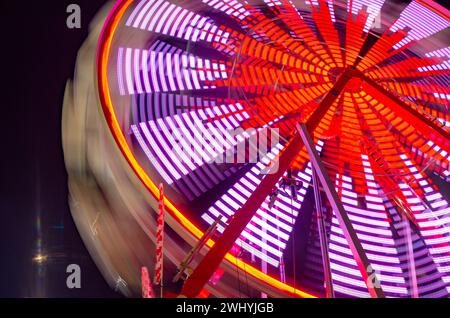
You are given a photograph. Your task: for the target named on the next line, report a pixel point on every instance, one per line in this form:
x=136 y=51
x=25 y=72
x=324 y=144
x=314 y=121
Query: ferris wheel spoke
x=257 y=77
x=173 y=70
x=325 y=25
x=382 y=50
x=398 y=40
x=165 y=18
x=311 y=47
x=211 y=134
x=423 y=123
x=426 y=94
x=279 y=46
x=415 y=68
x=271 y=53
x=356 y=26
x=233 y=9
x=282 y=104
x=162 y=106
x=420 y=149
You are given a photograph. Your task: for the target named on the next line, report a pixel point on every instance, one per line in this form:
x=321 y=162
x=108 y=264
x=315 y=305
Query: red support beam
x=200 y=276
x=202 y=273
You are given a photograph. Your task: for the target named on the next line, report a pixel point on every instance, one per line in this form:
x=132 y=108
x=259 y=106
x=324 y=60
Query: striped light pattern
x=188 y=73
x=418 y=20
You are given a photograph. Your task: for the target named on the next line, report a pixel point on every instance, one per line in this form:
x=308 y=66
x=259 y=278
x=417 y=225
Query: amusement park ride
x=350 y=200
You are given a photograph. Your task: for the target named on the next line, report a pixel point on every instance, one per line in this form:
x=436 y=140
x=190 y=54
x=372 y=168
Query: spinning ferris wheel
x=314 y=133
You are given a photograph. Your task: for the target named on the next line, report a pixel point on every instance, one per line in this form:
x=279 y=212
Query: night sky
x=37 y=56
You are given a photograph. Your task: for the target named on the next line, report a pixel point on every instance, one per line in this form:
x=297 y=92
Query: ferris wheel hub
x=334 y=73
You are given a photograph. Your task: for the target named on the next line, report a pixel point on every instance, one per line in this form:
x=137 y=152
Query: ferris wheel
x=313 y=134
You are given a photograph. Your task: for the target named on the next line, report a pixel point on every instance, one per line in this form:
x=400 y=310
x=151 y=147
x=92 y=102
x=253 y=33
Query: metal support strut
x=323 y=238
x=196 y=250
x=358 y=252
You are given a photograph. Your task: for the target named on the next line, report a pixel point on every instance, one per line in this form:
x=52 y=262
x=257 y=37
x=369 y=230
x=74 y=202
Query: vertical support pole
x=358 y=252
x=411 y=262
x=146 y=284
x=323 y=238
x=159 y=265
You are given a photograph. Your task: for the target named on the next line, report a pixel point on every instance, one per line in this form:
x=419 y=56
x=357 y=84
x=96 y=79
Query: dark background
x=37 y=56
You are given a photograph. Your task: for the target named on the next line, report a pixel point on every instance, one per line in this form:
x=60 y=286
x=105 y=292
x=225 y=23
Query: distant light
x=40 y=258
